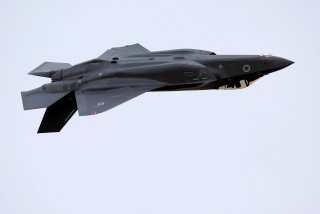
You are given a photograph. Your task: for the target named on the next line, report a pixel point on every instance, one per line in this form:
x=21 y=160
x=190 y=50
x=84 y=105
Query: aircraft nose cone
x=274 y=63
x=282 y=62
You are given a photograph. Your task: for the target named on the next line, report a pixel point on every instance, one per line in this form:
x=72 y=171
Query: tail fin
x=46 y=69
x=60 y=108
x=58 y=114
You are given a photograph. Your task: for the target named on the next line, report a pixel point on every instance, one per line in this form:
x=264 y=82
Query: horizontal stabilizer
x=46 y=69
x=38 y=98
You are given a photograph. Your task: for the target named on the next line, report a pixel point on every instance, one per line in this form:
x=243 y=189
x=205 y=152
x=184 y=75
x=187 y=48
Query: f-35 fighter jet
x=123 y=73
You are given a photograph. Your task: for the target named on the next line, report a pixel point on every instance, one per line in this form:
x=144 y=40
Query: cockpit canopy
x=266 y=55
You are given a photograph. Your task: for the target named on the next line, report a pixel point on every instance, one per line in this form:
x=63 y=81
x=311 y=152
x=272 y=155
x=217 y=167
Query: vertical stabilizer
x=58 y=114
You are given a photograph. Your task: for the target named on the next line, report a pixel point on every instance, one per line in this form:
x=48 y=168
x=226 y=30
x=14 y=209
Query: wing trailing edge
x=95 y=102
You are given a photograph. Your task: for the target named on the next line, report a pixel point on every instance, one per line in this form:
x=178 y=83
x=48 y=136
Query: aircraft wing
x=124 y=51
x=95 y=102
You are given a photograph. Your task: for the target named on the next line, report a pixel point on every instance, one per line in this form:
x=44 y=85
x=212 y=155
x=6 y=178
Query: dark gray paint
x=123 y=73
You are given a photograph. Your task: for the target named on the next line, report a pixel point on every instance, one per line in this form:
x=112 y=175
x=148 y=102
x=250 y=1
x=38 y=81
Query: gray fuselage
x=123 y=73
x=183 y=69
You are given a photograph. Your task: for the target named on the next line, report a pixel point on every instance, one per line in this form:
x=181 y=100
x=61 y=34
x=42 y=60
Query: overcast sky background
x=247 y=151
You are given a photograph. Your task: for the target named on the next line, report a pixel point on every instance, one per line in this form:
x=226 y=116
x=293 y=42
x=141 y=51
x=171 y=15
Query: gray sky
x=248 y=151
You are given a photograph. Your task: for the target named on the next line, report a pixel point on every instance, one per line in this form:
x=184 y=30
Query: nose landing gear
x=237 y=85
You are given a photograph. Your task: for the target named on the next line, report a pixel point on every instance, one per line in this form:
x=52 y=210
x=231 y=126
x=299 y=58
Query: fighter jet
x=123 y=73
